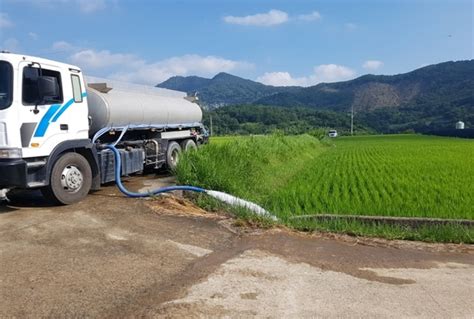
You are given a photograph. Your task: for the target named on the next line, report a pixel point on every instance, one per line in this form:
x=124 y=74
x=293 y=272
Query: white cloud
x=92 y=59
x=271 y=18
x=33 y=35
x=190 y=64
x=372 y=65
x=62 y=46
x=313 y=16
x=5 y=21
x=321 y=73
x=333 y=73
x=131 y=68
x=281 y=79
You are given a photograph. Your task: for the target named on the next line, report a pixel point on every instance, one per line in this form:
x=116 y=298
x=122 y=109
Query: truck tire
x=187 y=145
x=172 y=155
x=70 y=180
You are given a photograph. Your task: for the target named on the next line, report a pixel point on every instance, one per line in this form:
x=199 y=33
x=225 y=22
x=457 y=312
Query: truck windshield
x=6 y=84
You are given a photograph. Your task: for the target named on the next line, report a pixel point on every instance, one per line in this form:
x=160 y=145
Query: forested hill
x=430 y=97
x=449 y=82
x=224 y=89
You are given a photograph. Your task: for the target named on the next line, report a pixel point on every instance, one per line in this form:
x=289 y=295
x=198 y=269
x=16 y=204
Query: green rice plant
x=388 y=176
x=391 y=175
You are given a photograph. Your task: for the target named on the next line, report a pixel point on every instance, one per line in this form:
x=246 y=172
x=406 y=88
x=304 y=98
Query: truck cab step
x=36 y=184
x=36 y=164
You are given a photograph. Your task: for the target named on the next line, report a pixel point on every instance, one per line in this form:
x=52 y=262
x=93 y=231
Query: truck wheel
x=70 y=181
x=172 y=155
x=187 y=145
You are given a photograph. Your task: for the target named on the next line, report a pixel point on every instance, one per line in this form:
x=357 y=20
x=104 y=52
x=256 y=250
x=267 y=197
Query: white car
x=332 y=133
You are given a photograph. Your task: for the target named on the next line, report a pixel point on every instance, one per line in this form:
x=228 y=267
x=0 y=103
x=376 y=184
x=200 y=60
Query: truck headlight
x=10 y=153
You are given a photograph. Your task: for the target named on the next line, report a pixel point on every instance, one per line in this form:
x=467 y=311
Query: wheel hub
x=71 y=178
x=175 y=157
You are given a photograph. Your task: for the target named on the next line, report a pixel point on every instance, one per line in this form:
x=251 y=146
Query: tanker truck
x=54 y=123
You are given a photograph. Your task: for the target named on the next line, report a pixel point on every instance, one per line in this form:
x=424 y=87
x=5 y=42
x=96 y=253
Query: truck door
x=42 y=97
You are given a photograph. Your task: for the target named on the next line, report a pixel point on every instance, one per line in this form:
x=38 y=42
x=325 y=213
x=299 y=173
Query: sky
x=292 y=42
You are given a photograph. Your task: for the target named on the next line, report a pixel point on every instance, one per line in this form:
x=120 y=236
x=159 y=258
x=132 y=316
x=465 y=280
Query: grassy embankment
x=404 y=175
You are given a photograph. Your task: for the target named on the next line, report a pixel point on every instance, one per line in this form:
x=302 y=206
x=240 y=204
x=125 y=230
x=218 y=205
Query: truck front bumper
x=13 y=173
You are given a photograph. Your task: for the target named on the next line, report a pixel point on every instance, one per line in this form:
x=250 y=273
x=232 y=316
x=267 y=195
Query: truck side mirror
x=48 y=88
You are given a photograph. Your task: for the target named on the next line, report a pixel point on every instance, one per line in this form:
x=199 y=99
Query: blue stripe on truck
x=44 y=123
x=52 y=115
x=65 y=107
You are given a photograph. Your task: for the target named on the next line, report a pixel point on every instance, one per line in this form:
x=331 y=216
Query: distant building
x=460 y=125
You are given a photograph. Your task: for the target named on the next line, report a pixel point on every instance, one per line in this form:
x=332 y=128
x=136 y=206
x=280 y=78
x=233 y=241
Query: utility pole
x=352 y=120
x=210 y=120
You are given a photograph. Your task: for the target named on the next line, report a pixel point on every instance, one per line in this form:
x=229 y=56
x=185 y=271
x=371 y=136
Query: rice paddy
x=397 y=175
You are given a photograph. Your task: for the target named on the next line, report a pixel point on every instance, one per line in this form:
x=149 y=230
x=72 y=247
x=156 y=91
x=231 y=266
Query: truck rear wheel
x=187 y=145
x=70 y=181
x=172 y=155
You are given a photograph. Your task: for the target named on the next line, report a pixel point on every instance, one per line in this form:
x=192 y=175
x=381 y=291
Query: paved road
x=110 y=256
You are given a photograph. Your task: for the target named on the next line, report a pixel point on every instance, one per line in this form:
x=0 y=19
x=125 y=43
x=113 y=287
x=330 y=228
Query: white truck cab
x=45 y=136
x=39 y=97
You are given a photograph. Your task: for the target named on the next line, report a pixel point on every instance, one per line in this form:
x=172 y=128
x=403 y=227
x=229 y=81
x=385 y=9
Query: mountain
x=449 y=81
x=431 y=97
x=185 y=84
x=224 y=89
x=435 y=96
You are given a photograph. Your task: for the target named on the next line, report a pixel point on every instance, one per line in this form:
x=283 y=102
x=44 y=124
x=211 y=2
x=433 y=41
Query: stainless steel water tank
x=132 y=106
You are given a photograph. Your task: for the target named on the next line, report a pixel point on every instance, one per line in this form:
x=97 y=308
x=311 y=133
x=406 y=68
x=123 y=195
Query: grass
x=398 y=175
x=250 y=167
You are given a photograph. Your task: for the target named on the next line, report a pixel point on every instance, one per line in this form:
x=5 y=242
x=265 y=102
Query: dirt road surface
x=111 y=256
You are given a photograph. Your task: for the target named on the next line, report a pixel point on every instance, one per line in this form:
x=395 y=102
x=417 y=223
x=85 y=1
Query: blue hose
x=118 y=170
x=226 y=198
